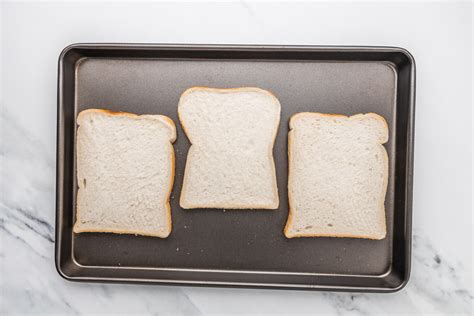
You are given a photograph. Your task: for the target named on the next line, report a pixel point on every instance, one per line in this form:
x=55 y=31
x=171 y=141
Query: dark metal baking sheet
x=229 y=247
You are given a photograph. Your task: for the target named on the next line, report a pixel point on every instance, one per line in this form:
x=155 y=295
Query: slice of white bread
x=230 y=161
x=125 y=173
x=338 y=175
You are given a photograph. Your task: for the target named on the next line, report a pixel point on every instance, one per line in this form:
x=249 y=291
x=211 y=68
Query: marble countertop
x=32 y=36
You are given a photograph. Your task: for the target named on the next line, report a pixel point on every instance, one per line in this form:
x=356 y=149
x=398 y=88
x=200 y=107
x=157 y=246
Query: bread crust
x=276 y=202
x=158 y=118
x=287 y=229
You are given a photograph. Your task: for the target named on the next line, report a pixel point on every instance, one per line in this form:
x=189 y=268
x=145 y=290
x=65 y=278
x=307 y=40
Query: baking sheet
x=246 y=247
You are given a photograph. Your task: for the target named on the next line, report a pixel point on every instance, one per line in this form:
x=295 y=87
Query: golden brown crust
x=230 y=207
x=77 y=229
x=159 y=118
x=186 y=131
x=289 y=221
x=296 y=115
x=291 y=211
x=168 y=205
x=229 y=90
x=299 y=235
x=107 y=112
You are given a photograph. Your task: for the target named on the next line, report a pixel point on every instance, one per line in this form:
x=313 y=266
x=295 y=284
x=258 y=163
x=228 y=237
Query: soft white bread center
x=230 y=163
